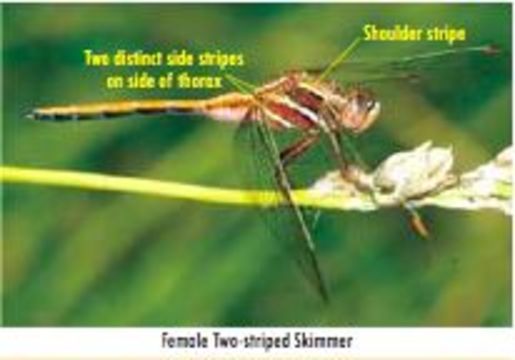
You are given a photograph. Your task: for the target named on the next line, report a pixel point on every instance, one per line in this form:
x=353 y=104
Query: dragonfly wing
x=468 y=63
x=457 y=84
x=290 y=224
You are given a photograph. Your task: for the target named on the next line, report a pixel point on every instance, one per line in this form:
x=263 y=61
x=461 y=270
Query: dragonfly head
x=359 y=110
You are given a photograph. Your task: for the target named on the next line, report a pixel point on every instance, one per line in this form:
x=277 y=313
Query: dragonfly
x=306 y=103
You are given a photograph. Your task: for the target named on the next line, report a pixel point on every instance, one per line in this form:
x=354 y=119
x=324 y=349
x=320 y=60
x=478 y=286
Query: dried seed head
x=413 y=173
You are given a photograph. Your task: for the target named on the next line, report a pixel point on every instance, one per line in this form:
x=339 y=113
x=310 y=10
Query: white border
x=473 y=343
x=130 y=343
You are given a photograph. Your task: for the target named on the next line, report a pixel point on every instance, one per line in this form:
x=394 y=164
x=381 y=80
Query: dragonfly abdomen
x=108 y=110
x=228 y=107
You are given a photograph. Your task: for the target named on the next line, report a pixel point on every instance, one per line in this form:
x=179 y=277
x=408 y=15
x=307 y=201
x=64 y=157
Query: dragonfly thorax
x=300 y=100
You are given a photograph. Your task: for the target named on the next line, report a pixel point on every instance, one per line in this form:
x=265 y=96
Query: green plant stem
x=158 y=188
x=456 y=198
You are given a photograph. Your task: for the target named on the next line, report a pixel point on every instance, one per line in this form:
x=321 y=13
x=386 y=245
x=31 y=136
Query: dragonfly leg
x=292 y=152
x=347 y=170
x=334 y=132
x=288 y=155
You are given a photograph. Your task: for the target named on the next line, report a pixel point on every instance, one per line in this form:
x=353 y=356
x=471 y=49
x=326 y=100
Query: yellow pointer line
x=343 y=55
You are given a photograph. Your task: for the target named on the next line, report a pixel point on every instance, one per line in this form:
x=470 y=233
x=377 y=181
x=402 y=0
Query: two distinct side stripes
x=297 y=108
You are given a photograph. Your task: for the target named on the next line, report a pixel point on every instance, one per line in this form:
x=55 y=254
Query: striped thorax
x=300 y=101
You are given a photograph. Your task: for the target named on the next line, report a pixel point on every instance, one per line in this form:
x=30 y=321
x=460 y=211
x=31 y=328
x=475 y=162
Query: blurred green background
x=74 y=257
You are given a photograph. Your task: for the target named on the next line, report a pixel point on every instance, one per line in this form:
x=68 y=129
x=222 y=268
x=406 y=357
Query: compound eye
x=370 y=104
